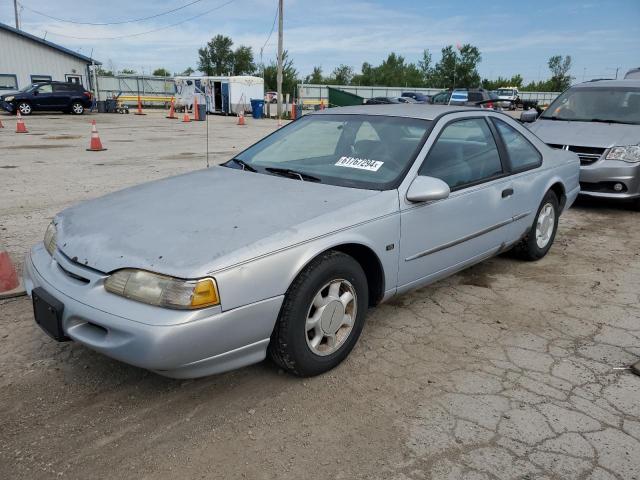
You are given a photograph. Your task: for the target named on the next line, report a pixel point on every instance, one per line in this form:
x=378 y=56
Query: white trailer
x=227 y=95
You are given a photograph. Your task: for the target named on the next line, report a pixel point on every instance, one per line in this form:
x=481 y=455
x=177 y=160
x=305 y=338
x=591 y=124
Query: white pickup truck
x=511 y=94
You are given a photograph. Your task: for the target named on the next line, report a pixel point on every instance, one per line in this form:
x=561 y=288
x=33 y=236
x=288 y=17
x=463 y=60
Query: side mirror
x=35 y=92
x=529 y=116
x=427 y=189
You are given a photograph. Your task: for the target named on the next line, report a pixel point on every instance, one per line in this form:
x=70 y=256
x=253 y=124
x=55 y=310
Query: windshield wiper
x=243 y=164
x=287 y=172
x=602 y=120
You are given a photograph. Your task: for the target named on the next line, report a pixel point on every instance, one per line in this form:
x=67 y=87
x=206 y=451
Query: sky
x=513 y=36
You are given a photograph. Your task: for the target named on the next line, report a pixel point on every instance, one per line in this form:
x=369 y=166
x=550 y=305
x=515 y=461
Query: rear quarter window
x=522 y=154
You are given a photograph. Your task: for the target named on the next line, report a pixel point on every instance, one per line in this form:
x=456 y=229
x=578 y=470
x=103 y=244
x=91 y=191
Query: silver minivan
x=600 y=121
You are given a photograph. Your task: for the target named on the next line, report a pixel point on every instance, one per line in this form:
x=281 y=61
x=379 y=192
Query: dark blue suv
x=42 y=96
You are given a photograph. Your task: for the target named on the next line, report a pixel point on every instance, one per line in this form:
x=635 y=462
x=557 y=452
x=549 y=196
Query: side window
x=366 y=132
x=475 y=97
x=522 y=154
x=465 y=153
x=60 y=87
x=45 y=89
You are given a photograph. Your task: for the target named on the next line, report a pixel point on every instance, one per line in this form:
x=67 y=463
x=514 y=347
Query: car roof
x=408 y=110
x=609 y=83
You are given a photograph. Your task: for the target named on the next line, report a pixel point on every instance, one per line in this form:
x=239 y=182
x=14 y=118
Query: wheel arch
x=558 y=188
x=368 y=260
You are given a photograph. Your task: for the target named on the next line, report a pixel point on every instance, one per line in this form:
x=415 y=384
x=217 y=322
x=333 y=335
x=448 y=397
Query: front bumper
x=6 y=106
x=599 y=179
x=173 y=343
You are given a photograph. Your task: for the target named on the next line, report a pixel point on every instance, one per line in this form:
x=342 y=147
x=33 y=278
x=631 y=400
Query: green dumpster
x=340 y=98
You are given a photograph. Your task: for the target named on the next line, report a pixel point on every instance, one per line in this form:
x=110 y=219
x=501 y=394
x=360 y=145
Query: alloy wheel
x=331 y=317
x=545 y=225
x=25 y=108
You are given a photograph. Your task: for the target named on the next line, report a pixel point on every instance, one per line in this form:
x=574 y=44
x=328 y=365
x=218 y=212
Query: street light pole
x=279 y=76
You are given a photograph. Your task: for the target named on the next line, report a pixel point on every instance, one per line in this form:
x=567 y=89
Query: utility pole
x=279 y=77
x=15 y=8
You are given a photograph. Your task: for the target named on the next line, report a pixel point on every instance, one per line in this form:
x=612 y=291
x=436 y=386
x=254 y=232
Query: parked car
x=441 y=98
x=600 y=121
x=48 y=96
x=389 y=100
x=379 y=200
x=418 y=97
x=510 y=97
x=404 y=100
x=473 y=97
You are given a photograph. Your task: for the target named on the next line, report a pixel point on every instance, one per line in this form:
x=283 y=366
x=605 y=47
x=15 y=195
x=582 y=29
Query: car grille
x=588 y=155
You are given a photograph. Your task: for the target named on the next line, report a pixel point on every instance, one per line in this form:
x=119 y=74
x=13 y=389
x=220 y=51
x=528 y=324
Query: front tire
x=24 y=108
x=543 y=231
x=322 y=315
x=77 y=108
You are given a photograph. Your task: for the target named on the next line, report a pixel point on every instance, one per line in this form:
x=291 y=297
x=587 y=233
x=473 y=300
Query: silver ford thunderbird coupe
x=283 y=249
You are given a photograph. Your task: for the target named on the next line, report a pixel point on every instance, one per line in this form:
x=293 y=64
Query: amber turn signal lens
x=205 y=293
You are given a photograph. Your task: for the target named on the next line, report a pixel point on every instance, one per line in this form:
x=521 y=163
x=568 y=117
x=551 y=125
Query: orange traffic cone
x=186 y=118
x=10 y=285
x=96 y=144
x=139 y=112
x=196 y=113
x=20 y=126
x=172 y=112
x=241 y=118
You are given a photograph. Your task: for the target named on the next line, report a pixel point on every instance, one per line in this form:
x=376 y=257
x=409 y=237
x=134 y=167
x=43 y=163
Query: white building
x=25 y=58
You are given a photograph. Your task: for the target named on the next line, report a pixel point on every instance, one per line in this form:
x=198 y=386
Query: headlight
x=9 y=99
x=630 y=153
x=162 y=290
x=50 y=238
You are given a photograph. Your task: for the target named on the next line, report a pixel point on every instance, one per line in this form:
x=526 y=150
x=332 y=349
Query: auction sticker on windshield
x=360 y=163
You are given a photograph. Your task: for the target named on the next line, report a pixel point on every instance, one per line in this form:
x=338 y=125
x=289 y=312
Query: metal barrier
x=151 y=89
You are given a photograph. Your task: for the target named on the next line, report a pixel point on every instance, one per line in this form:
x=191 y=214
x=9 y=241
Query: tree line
x=457 y=68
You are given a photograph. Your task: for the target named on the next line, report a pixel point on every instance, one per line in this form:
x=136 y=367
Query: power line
x=133 y=20
x=148 y=31
x=273 y=26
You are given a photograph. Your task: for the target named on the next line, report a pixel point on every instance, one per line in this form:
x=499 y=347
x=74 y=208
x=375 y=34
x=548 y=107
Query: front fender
x=271 y=275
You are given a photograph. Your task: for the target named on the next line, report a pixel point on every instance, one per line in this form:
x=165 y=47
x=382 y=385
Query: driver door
x=43 y=97
x=441 y=237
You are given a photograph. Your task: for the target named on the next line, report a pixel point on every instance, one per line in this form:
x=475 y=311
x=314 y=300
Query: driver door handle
x=507 y=192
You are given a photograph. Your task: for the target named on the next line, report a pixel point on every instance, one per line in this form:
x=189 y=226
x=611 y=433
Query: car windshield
x=592 y=104
x=505 y=92
x=362 y=151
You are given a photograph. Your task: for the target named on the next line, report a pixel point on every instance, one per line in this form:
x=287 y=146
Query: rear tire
x=322 y=316
x=543 y=231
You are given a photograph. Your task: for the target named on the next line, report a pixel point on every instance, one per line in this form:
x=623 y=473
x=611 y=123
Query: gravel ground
x=506 y=370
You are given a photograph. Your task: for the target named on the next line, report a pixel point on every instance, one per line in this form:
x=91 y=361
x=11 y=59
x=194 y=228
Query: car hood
x=586 y=134
x=194 y=224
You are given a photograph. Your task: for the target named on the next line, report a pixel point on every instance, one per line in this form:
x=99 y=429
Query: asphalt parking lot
x=508 y=370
